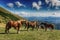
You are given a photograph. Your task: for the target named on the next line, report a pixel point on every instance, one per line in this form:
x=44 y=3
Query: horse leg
x=32 y=27
x=37 y=27
x=45 y=28
x=52 y=28
x=18 y=30
x=7 y=29
x=27 y=28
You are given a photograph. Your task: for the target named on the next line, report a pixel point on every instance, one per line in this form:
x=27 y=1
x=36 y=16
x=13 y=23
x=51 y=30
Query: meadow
x=24 y=35
x=29 y=35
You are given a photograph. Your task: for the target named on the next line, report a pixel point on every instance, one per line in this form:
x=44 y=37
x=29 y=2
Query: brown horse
x=31 y=24
x=15 y=24
x=23 y=22
x=47 y=25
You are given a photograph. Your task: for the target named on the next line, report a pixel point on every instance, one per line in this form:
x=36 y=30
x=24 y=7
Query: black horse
x=39 y=25
x=47 y=25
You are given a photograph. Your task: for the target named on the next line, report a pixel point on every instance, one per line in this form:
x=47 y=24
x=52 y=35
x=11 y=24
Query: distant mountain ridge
x=48 y=19
x=54 y=20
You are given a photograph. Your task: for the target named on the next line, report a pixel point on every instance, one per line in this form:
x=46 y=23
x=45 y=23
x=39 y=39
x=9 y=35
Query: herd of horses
x=28 y=24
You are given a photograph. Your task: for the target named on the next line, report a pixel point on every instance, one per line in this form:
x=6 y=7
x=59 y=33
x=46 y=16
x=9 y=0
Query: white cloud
x=23 y=14
x=39 y=14
x=19 y=4
x=10 y=5
x=54 y=3
x=58 y=3
x=57 y=14
x=47 y=1
x=36 y=5
x=39 y=3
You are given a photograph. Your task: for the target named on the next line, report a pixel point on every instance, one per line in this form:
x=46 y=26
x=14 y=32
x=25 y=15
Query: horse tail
x=28 y=26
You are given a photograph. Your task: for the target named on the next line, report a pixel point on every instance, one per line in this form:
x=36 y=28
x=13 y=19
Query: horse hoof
x=27 y=30
x=18 y=32
x=6 y=33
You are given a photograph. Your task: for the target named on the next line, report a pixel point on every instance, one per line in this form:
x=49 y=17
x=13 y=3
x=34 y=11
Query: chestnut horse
x=15 y=24
x=31 y=24
x=22 y=21
x=47 y=25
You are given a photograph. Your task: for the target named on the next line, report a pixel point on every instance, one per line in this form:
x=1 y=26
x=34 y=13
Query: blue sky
x=27 y=8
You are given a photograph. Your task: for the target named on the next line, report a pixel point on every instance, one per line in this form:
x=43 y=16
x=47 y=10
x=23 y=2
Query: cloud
x=47 y=1
x=10 y=5
x=39 y=14
x=23 y=14
x=53 y=3
x=56 y=14
x=36 y=5
x=19 y=4
x=39 y=3
x=56 y=3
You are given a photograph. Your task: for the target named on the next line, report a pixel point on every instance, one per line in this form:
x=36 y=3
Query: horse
x=31 y=24
x=38 y=25
x=15 y=24
x=48 y=25
x=23 y=22
x=26 y=24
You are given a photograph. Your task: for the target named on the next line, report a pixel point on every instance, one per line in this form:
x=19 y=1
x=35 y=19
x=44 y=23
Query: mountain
x=47 y=19
x=5 y=16
x=54 y=20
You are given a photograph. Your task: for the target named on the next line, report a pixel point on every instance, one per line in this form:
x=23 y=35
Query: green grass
x=24 y=35
x=30 y=35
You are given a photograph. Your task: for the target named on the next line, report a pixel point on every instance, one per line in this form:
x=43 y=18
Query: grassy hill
x=6 y=16
x=24 y=35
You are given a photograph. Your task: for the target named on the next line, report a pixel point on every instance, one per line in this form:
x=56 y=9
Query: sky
x=32 y=8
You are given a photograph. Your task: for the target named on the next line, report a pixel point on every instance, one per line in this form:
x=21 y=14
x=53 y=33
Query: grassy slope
x=25 y=35
x=30 y=35
x=6 y=16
